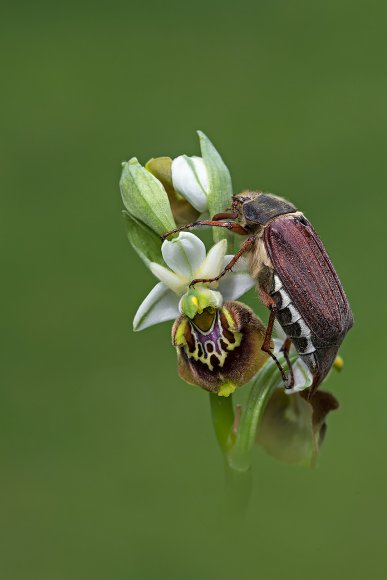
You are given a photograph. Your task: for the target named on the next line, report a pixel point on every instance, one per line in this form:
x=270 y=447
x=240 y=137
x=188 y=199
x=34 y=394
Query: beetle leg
x=225 y=216
x=245 y=247
x=285 y=349
x=232 y=226
x=266 y=346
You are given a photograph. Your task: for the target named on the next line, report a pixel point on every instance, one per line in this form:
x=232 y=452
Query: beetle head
x=240 y=199
x=244 y=197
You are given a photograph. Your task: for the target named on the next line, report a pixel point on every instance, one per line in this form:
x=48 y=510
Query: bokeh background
x=109 y=466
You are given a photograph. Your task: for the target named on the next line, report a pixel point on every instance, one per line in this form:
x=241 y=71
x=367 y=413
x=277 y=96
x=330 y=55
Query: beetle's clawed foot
x=289 y=380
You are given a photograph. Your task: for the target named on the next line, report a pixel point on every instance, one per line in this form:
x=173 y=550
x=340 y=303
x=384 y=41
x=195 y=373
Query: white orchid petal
x=234 y=284
x=213 y=263
x=184 y=254
x=160 y=305
x=302 y=376
x=279 y=332
x=190 y=179
x=175 y=282
x=201 y=170
x=242 y=265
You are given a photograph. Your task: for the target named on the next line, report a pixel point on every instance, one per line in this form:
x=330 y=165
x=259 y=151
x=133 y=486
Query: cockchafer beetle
x=296 y=278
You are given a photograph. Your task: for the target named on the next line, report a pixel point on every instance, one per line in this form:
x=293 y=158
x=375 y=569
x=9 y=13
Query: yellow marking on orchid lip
x=195 y=300
x=226 y=389
x=229 y=319
x=238 y=339
x=179 y=336
x=232 y=328
x=338 y=363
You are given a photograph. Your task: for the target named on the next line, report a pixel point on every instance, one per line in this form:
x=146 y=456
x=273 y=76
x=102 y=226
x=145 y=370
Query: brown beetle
x=296 y=278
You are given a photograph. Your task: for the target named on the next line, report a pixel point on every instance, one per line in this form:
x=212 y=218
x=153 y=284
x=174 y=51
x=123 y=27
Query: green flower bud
x=145 y=198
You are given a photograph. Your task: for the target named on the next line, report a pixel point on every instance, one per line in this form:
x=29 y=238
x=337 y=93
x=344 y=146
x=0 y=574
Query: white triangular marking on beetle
x=277 y=283
x=295 y=315
x=285 y=299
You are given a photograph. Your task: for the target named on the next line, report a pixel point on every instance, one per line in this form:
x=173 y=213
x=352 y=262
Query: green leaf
x=144 y=241
x=145 y=198
x=220 y=185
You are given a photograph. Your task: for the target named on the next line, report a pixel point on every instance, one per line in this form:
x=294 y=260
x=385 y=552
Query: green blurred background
x=109 y=466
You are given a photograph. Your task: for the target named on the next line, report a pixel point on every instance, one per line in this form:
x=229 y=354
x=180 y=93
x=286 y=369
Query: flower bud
x=220 y=348
x=145 y=198
x=190 y=179
x=338 y=363
x=182 y=210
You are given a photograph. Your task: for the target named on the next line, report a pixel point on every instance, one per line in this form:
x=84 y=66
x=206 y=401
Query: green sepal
x=161 y=168
x=144 y=241
x=145 y=198
x=293 y=427
x=220 y=185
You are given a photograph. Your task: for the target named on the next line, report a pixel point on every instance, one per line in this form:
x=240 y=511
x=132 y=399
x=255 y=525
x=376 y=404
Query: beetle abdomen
x=311 y=304
x=318 y=359
x=293 y=324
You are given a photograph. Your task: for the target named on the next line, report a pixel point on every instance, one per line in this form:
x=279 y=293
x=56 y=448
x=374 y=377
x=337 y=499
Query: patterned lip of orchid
x=187 y=259
x=220 y=349
x=210 y=345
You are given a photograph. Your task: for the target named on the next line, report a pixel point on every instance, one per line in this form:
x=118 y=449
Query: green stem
x=239 y=456
x=222 y=413
x=238 y=483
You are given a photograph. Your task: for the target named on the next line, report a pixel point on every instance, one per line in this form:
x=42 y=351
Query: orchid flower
x=187 y=259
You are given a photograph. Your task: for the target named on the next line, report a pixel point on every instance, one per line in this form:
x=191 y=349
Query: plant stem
x=239 y=456
x=222 y=413
x=238 y=483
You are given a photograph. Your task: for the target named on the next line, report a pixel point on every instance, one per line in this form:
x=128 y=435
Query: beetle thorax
x=259 y=209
